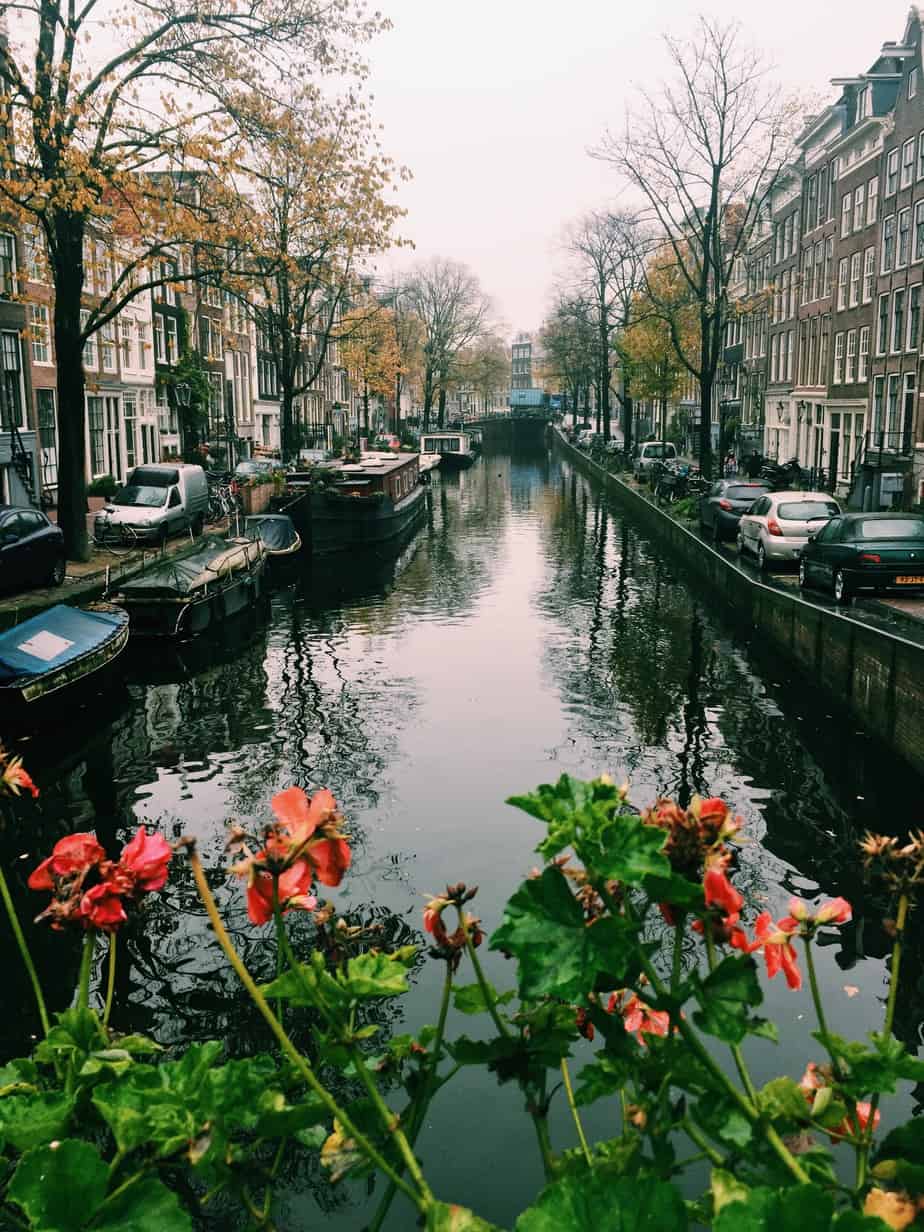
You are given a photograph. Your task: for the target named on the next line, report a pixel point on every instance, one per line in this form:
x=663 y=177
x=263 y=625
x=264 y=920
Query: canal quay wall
x=877 y=675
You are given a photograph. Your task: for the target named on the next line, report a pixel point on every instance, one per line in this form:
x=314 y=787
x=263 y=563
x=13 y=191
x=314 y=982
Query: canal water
x=527 y=629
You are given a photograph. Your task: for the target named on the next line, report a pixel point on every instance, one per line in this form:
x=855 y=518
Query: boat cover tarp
x=54 y=637
x=274 y=529
x=175 y=578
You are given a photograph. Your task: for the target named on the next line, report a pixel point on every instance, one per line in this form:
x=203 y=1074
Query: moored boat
x=57 y=651
x=348 y=504
x=181 y=597
x=277 y=533
x=454 y=448
x=429 y=462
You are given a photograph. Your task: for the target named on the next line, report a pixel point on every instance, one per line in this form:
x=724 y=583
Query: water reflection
x=526 y=628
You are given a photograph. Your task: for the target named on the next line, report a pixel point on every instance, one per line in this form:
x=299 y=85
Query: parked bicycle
x=223 y=497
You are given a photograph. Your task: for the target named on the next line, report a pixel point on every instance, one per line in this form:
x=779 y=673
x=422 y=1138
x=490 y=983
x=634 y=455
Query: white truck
x=157 y=500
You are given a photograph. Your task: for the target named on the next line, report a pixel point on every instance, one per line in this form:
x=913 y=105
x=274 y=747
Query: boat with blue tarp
x=58 y=649
x=276 y=532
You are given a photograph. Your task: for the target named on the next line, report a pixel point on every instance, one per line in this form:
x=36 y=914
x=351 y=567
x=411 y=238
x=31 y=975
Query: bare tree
x=453 y=311
x=705 y=152
x=568 y=344
x=607 y=251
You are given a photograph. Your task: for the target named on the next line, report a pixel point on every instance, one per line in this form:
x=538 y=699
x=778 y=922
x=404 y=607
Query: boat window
x=141 y=497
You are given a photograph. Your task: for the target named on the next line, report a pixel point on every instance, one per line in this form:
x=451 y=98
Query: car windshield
x=745 y=491
x=139 y=495
x=252 y=468
x=807 y=511
x=659 y=451
x=890 y=528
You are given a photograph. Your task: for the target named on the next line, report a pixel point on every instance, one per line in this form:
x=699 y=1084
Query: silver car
x=777 y=526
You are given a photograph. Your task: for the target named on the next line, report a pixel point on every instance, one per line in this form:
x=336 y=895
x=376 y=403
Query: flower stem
x=310 y=1078
x=569 y=1095
x=894 y=969
x=281 y=939
x=486 y=990
x=392 y=1123
x=737 y=1054
x=86 y=967
x=110 y=982
x=699 y=1139
x=24 y=953
x=819 y=1007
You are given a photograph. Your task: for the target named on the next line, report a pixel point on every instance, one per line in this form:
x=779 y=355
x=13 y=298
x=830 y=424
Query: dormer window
x=912 y=83
x=863 y=104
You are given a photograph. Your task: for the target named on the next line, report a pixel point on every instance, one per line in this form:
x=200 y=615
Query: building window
x=891 y=177
x=838 y=378
x=89 y=347
x=904 y=238
x=862 y=104
x=859 y=207
x=855 y=279
x=790 y=336
x=142 y=342
x=907 y=162
x=7 y=265
x=882 y=331
x=166 y=293
x=173 y=345
x=869 y=273
x=892 y=403
x=863 y=358
x=125 y=335
x=829 y=264
x=898 y=319
x=919 y=231
x=878 y=384
x=913 y=83
x=807 y=276
x=846 y=214
x=108 y=346
x=818 y=284
x=914 y=318
x=103 y=268
x=36 y=259
x=13 y=404
x=888 y=244
x=921 y=156
x=160 y=350
x=872 y=200
x=40 y=332
x=850 y=372
x=97 y=434
x=842 y=283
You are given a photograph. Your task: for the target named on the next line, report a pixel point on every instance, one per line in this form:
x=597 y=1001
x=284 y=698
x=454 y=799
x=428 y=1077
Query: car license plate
x=916 y=580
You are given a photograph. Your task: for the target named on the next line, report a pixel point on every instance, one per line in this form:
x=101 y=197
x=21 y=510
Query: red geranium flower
x=17 y=778
x=294 y=885
x=103 y=908
x=72 y=856
x=638 y=1018
x=835 y=911
x=330 y=859
x=146 y=858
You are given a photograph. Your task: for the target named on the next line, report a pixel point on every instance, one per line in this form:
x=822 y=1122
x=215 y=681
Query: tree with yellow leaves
x=177 y=87
x=369 y=350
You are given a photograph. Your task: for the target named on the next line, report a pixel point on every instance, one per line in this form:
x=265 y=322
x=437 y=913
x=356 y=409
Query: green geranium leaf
x=853 y=1221
x=725 y=997
x=443 y=1217
x=18 y=1074
x=469 y=999
x=278 y=1118
x=137 y=1045
x=147 y=1206
x=310 y=985
x=60 y=1187
x=77 y=1031
x=877 y=1068
x=783 y=1099
x=725 y=1189
x=602 y=1203
x=559 y=953
x=907 y=1141
x=32 y=1119
x=605 y=1076
x=798 y=1208
x=627 y=850
x=376 y=975
x=723 y=1120
x=313 y=1137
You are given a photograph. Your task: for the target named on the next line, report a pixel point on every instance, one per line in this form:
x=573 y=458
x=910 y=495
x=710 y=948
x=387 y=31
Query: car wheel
x=761 y=558
x=162 y=538
x=841 y=589
x=58 y=571
x=803 y=574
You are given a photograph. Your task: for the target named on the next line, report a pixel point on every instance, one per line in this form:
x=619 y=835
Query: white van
x=157 y=500
x=650 y=453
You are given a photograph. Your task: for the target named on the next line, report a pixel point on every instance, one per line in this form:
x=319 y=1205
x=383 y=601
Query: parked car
x=250 y=467
x=865 y=551
x=649 y=454
x=727 y=500
x=158 y=500
x=31 y=549
x=777 y=526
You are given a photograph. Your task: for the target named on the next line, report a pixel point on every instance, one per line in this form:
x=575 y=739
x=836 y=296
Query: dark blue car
x=31 y=549
x=865 y=552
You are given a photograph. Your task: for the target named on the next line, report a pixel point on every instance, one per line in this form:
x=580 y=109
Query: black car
x=728 y=499
x=31 y=549
x=865 y=551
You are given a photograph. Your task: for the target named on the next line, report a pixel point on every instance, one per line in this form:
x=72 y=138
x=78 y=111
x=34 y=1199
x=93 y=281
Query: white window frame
x=842 y=276
x=891 y=175
x=872 y=200
x=40 y=334
x=888 y=259
x=863 y=354
x=846 y=214
x=850 y=366
x=896 y=325
x=869 y=273
x=913 y=82
x=882 y=342
x=912 y=345
x=859 y=206
x=854 y=297
x=903 y=255
x=907 y=165
x=838 y=375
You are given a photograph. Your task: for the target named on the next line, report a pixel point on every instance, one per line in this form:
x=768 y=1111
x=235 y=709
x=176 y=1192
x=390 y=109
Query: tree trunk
x=705 y=425
x=366 y=409
x=285 y=423
x=605 y=375
x=441 y=415
x=67 y=262
x=428 y=398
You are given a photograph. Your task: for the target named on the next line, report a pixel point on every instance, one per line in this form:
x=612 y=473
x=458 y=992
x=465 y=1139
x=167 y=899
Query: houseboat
x=348 y=504
x=454 y=448
x=182 y=597
x=52 y=654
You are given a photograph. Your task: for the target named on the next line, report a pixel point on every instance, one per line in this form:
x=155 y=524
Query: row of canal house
x=130 y=366
x=824 y=360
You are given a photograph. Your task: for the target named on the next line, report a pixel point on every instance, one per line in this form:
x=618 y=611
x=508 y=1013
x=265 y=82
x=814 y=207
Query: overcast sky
x=492 y=105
